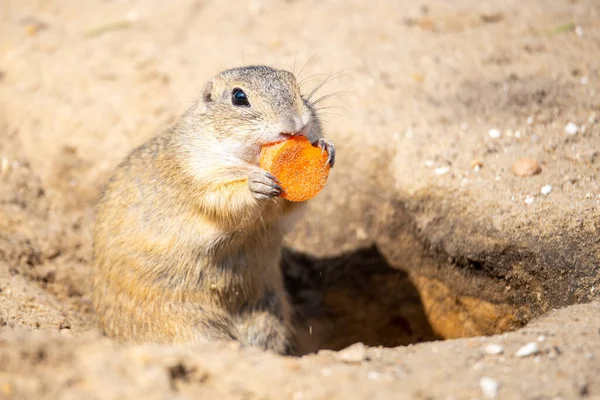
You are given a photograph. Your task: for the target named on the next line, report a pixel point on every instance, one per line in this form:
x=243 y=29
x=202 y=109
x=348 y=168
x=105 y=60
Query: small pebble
x=554 y=352
x=530 y=120
x=584 y=80
x=442 y=170
x=66 y=332
x=361 y=234
x=476 y=164
x=526 y=167
x=494 y=133
x=546 y=189
x=541 y=338
x=529 y=349
x=429 y=163
x=353 y=354
x=571 y=128
x=489 y=387
x=579 y=31
x=493 y=349
x=528 y=199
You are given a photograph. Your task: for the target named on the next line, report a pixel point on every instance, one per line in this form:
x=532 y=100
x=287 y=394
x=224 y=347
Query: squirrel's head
x=245 y=108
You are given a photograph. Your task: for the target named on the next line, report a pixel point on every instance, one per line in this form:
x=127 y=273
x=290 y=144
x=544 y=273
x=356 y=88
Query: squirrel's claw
x=263 y=185
x=327 y=146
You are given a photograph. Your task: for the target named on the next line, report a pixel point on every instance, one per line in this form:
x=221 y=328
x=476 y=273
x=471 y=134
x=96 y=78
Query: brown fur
x=184 y=250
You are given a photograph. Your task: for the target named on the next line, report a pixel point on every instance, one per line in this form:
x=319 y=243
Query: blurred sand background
x=423 y=232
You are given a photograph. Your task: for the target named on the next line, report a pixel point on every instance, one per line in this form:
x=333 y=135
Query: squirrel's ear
x=207 y=95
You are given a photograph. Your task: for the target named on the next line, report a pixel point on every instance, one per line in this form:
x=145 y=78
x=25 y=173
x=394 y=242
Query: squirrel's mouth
x=286 y=135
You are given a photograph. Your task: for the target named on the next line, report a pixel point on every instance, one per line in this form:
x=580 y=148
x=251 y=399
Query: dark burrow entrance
x=360 y=297
x=353 y=298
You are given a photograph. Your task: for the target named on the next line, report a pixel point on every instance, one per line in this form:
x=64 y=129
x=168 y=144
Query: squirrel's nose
x=292 y=125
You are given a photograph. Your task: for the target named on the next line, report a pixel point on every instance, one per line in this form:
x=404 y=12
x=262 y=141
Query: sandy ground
x=422 y=233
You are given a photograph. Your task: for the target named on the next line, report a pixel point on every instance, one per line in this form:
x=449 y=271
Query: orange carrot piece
x=301 y=167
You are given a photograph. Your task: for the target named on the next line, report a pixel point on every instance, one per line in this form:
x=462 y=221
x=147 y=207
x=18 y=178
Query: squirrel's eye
x=239 y=98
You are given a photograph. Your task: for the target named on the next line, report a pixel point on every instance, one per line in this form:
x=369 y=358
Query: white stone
x=353 y=354
x=493 y=349
x=494 y=133
x=571 y=128
x=442 y=170
x=528 y=199
x=546 y=189
x=529 y=349
x=489 y=387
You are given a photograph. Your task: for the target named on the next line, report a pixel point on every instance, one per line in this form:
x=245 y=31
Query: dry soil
x=425 y=245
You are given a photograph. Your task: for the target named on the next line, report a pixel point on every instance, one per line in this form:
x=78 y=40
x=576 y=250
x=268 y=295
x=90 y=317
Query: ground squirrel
x=188 y=231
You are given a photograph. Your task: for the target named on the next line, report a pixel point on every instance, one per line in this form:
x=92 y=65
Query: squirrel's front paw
x=263 y=185
x=327 y=146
